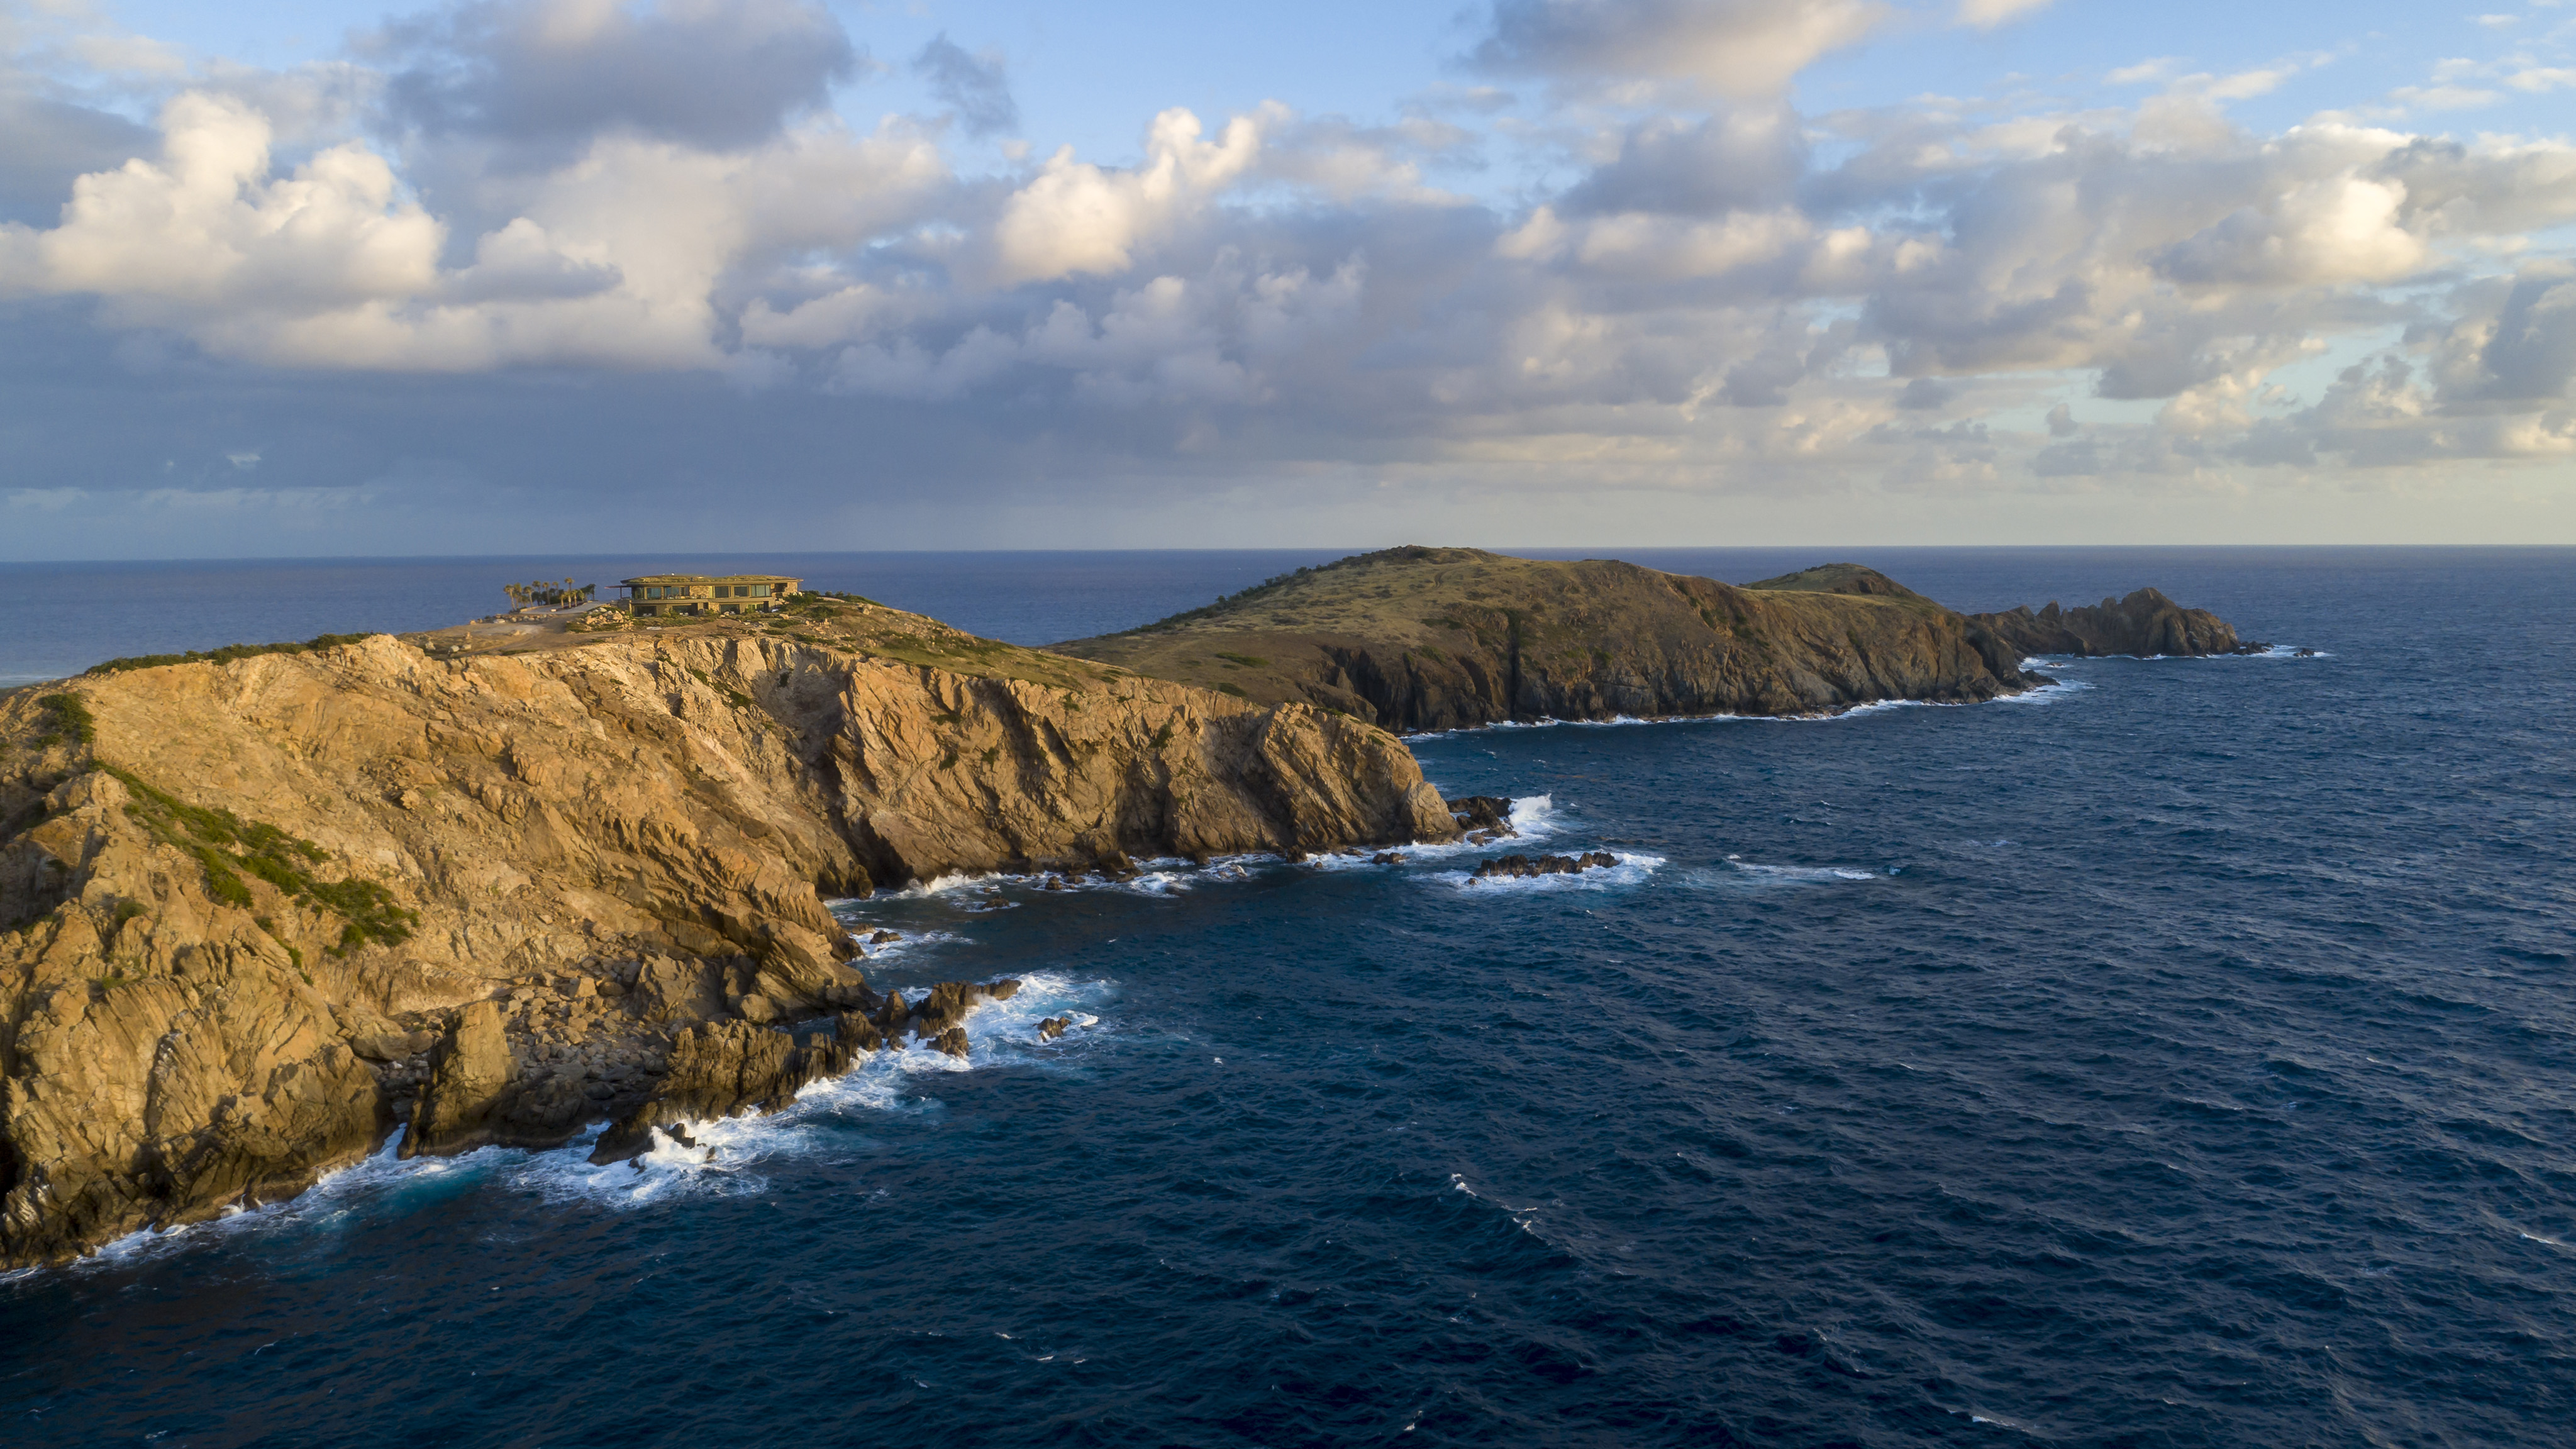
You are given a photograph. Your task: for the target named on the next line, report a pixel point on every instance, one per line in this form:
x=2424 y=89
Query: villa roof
x=713 y=579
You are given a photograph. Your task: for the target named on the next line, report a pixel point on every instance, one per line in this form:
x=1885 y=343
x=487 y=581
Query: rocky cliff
x=1437 y=638
x=252 y=911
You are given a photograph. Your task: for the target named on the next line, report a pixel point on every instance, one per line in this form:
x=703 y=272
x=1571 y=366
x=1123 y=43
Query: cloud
x=554 y=73
x=1075 y=217
x=1678 y=291
x=613 y=261
x=1738 y=47
x=974 y=87
x=1987 y=14
x=1671 y=166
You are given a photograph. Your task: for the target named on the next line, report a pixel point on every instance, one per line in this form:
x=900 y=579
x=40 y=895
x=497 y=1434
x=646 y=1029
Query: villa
x=706 y=593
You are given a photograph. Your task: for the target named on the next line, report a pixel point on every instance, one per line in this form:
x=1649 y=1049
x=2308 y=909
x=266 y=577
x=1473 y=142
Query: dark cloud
x=974 y=87
x=1925 y=394
x=1744 y=47
x=2532 y=354
x=553 y=73
x=1745 y=158
x=50 y=142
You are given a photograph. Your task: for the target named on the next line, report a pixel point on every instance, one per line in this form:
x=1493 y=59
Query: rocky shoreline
x=255 y=913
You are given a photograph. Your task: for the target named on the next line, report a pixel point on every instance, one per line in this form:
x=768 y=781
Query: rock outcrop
x=254 y=913
x=1525 y=867
x=2146 y=623
x=1443 y=638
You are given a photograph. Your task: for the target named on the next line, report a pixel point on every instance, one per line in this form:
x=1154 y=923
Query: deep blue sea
x=2185 y=1055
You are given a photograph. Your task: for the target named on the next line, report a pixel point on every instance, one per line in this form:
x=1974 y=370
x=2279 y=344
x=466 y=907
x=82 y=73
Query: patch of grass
x=1248 y=661
x=225 y=655
x=126 y=911
x=72 y=720
x=1232 y=688
x=226 y=846
x=1163 y=736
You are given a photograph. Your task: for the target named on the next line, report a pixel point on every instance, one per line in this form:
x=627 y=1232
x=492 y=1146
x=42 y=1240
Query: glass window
x=760 y=591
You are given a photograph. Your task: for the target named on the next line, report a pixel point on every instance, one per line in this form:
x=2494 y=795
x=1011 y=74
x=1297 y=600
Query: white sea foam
x=726 y=1160
x=1739 y=873
x=2049 y=693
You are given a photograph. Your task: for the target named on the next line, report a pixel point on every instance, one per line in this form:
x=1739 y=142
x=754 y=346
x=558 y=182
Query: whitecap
x=1740 y=873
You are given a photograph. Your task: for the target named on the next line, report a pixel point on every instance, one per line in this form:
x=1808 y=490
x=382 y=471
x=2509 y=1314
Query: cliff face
x=1423 y=638
x=2145 y=623
x=240 y=903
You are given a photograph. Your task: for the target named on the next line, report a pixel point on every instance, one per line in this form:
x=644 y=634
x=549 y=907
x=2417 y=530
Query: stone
x=1053 y=1027
x=952 y=1041
x=1487 y=815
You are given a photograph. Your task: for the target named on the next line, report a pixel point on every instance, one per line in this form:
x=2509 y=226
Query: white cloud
x=1075 y=217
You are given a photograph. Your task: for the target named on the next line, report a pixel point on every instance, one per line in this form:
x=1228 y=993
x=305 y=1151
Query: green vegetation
x=226 y=847
x=541 y=592
x=128 y=910
x=225 y=655
x=1232 y=688
x=72 y=720
x=1248 y=661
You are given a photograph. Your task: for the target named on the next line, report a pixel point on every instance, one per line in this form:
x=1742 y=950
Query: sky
x=519 y=276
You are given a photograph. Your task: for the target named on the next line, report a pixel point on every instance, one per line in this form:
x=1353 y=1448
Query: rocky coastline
x=256 y=913
x=263 y=908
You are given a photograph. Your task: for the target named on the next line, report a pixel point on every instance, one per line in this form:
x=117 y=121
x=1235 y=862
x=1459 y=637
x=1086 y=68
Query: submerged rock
x=1053 y=1027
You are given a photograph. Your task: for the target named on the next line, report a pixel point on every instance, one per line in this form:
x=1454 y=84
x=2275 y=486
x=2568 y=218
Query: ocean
x=2182 y=1055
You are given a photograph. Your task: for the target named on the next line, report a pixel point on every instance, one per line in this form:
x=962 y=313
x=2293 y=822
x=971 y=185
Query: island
x=1422 y=638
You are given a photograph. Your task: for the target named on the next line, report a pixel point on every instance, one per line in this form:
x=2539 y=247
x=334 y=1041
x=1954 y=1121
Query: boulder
x=1490 y=813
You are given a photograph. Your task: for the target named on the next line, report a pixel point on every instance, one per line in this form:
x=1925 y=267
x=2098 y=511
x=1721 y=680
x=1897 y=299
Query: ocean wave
x=1740 y=873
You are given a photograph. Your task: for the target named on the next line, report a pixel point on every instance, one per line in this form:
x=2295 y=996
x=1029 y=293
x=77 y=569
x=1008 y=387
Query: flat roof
x=713 y=579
